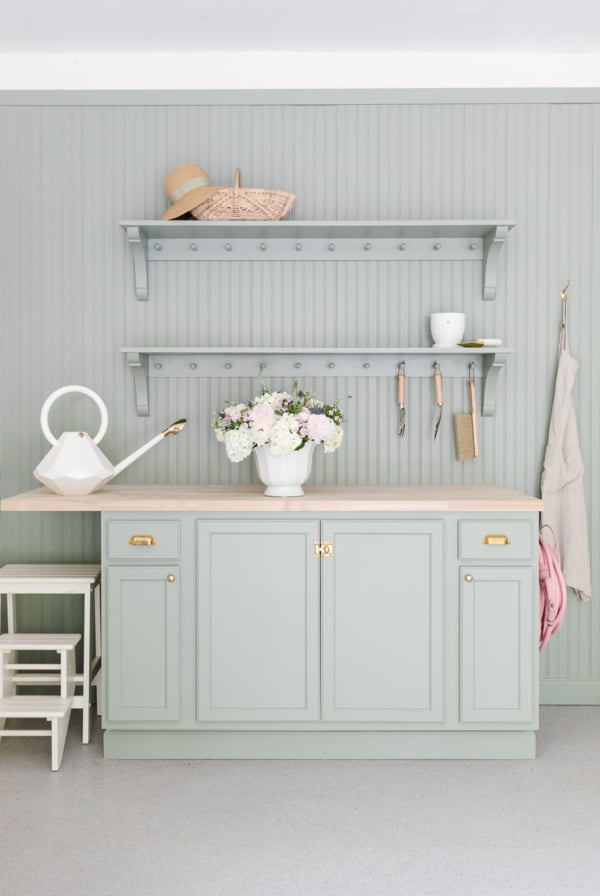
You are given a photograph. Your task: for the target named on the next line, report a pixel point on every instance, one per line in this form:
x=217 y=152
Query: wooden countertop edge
x=202 y=499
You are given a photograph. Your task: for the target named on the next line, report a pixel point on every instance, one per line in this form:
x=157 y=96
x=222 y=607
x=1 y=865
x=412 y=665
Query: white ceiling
x=126 y=26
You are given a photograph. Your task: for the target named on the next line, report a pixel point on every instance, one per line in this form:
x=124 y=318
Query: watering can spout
x=174 y=428
x=171 y=430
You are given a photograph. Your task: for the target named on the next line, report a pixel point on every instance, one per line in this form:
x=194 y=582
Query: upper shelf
x=316 y=241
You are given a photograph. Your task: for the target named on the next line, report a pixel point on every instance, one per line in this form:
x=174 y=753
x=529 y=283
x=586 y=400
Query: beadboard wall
x=73 y=166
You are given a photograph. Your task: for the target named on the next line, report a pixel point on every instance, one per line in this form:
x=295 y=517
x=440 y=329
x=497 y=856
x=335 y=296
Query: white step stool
x=62 y=578
x=55 y=709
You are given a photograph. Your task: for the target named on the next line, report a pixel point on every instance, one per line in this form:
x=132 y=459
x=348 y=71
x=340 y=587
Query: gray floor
x=268 y=828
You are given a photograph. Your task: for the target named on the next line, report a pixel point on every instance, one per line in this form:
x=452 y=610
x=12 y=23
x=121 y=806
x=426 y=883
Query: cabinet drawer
x=495 y=540
x=156 y=540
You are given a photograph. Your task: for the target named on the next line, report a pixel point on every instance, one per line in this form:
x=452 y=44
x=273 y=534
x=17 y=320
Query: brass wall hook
x=564 y=290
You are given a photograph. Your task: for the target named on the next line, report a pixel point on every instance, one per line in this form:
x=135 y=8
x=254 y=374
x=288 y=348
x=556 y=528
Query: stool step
x=30 y=707
x=39 y=642
x=12 y=575
x=24 y=679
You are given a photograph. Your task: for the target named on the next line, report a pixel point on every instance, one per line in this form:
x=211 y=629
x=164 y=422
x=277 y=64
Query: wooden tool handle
x=401 y=387
x=474 y=417
x=439 y=395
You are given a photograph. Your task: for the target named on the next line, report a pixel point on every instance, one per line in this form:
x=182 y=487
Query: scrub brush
x=465 y=426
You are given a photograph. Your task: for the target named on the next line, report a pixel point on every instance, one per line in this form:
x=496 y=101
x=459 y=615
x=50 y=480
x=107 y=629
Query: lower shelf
x=152 y=362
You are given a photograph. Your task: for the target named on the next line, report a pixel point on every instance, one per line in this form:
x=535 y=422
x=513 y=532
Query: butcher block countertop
x=250 y=498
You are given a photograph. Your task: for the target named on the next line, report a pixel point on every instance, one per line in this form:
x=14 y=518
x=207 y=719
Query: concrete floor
x=266 y=828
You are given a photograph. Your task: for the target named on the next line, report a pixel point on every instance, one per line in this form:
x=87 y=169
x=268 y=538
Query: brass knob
x=142 y=540
x=468 y=577
x=170 y=578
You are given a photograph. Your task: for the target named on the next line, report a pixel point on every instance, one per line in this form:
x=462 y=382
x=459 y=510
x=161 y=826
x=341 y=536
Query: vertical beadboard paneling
x=68 y=304
x=574 y=653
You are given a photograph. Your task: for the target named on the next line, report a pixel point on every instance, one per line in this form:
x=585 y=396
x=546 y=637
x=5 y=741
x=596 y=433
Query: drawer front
x=495 y=540
x=146 y=540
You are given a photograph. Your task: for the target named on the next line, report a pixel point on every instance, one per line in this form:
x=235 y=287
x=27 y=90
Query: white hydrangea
x=284 y=436
x=238 y=444
x=219 y=434
x=272 y=399
x=335 y=441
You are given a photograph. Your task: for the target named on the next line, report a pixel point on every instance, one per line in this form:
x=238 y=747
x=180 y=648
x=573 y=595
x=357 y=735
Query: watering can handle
x=64 y=390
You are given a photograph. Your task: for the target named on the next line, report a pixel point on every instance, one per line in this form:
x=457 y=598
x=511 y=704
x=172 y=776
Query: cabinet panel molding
x=142 y=624
x=498 y=655
x=382 y=621
x=258 y=620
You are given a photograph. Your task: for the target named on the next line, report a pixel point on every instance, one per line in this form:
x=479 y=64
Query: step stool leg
x=97 y=683
x=10 y=613
x=97 y=661
x=98 y=621
x=5 y=690
x=59 y=728
x=86 y=721
x=7 y=685
x=67 y=662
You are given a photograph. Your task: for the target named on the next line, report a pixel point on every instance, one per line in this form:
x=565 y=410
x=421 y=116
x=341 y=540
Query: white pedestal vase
x=284 y=476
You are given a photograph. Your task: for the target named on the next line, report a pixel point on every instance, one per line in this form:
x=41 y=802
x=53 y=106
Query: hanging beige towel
x=562 y=478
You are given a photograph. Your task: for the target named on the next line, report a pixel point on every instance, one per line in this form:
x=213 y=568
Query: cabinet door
x=142 y=643
x=258 y=620
x=382 y=621
x=498 y=644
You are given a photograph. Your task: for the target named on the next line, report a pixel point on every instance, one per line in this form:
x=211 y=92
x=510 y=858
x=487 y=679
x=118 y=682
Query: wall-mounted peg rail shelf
x=152 y=362
x=316 y=241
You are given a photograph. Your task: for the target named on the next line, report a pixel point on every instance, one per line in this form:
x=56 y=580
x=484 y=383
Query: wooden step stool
x=62 y=578
x=54 y=709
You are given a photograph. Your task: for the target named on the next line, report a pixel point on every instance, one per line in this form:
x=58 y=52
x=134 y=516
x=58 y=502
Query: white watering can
x=75 y=465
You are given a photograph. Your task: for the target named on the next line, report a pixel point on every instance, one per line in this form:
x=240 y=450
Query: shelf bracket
x=138 y=243
x=138 y=364
x=492 y=365
x=493 y=243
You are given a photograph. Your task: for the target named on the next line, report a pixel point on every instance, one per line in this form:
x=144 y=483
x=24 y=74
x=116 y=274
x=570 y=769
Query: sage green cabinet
x=382 y=600
x=409 y=635
x=141 y=644
x=258 y=620
x=498 y=645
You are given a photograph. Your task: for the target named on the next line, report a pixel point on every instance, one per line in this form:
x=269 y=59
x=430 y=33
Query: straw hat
x=186 y=187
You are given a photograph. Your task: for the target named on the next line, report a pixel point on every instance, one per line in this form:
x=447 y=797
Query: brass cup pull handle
x=142 y=540
x=495 y=539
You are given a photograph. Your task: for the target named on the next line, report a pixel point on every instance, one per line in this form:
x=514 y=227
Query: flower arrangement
x=284 y=422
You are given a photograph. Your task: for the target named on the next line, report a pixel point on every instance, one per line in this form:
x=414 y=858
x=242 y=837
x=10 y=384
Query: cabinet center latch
x=323 y=549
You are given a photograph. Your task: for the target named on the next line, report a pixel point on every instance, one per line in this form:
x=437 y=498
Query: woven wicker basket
x=240 y=204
